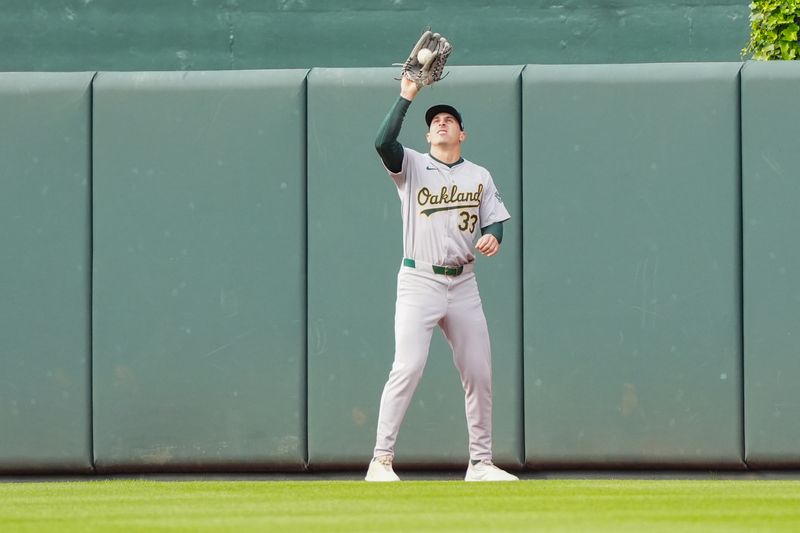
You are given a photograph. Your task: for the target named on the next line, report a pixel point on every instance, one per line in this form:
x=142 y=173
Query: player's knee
x=411 y=372
x=477 y=380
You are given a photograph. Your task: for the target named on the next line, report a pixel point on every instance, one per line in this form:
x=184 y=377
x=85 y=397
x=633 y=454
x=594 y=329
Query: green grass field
x=534 y=505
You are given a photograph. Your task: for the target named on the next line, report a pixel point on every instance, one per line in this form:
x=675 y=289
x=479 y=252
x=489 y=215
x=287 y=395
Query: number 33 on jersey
x=443 y=207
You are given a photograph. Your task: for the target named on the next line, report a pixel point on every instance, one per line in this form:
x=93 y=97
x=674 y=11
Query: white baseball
x=424 y=55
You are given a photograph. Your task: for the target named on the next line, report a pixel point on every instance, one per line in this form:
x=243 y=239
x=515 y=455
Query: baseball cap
x=443 y=108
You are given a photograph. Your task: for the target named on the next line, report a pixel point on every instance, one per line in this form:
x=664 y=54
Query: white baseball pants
x=425 y=300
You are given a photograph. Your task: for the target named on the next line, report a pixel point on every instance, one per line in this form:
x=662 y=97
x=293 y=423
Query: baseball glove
x=425 y=64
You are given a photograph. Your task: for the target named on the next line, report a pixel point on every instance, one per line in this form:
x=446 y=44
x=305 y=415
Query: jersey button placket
x=447 y=173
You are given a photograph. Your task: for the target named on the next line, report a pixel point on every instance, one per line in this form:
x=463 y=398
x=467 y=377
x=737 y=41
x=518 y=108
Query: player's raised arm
x=386 y=143
x=390 y=150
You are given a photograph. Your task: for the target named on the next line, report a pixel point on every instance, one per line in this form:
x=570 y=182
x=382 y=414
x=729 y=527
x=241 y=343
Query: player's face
x=444 y=129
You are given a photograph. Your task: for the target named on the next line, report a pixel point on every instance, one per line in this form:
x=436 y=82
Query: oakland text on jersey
x=452 y=199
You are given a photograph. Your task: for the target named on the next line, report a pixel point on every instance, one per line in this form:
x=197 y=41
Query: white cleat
x=380 y=469
x=486 y=471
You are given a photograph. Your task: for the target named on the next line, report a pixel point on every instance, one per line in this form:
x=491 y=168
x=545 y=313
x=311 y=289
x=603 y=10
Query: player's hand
x=488 y=245
x=408 y=89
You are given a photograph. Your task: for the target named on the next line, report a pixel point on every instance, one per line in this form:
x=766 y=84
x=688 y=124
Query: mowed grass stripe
x=533 y=505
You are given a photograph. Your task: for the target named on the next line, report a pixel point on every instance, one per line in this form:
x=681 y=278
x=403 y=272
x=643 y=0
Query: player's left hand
x=488 y=245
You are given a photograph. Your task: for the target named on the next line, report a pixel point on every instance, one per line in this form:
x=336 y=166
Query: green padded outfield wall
x=632 y=265
x=771 y=194
x=245 y=34
x=199 y=270
x=355 y=250
x=45 y=164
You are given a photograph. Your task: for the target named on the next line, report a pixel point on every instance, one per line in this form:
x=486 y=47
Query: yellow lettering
x=451 y=196
x=423 y=196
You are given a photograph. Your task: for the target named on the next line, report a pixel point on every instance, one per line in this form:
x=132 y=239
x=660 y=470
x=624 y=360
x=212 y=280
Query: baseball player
x=446 y=201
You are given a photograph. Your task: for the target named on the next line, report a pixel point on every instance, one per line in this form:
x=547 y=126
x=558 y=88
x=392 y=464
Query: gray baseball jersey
x=443 y=208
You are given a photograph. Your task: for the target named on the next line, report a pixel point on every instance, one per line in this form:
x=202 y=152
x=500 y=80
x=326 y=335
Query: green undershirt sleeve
x=495 y=229
x=390 y=150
